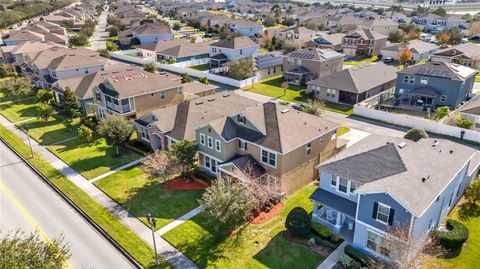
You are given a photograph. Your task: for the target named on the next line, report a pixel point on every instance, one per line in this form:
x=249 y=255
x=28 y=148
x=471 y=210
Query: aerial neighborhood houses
x=312 y=59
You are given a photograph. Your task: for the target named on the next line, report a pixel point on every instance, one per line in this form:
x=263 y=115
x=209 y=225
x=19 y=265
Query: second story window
x=210 y=142
x=218 y=145
x=409 y=79
x=202 y=139
x=241 y=52
x=343 y=185
x=309 y=149
x=180 y=90
x=423 y=80
x=383 y=213
x=98 y=97
x=290 y=60
x=162 y=95
x=242 y=144
x=241 y=119
x=269 y=158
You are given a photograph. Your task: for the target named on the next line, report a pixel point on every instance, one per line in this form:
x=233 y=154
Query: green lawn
x=18 y=111
x=202 y=67
x=360 y=60
x=48 y=132
x=92 y=159
x=140 y=195
x=477 y=78
x=129 y=241
x=272 y=87
x=468 y=258
x=257 y=246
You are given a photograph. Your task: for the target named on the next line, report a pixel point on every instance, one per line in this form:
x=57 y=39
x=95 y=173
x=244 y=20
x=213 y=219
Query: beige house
x=267 y=139
x=134 y=92
x=297 y=35
x=304 y=65
x=363 y=42
x=379 y=25
x=465 y=54
x=355 y=84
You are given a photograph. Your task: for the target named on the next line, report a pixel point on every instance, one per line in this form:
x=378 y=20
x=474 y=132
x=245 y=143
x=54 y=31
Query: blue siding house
x=433 y=84
x=382 y=183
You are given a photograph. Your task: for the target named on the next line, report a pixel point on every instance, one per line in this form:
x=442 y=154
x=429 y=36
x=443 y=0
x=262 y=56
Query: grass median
x=129 y=241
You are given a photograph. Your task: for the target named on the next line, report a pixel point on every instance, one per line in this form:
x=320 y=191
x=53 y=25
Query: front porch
x=297 y=76
x=337 y=221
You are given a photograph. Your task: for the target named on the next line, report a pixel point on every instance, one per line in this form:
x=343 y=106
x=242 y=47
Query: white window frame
x=378 y=211
x=443 y=98
x=209 y=142
x=308 y=148
x=202 y=139
x=269 y=155
x=144 y=134
x=218 y=145
x=347 y=186
x=424 y=80
x=243 y=145
x=334 y=179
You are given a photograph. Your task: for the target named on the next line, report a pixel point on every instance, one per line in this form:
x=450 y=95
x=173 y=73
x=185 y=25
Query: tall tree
x=404 y=55
x=150 y=67
x=241 y=69
x=30 y=251
x=116 y=131
x=86 y=133
x=396 y=36
x=71 y=105
x=17 y=87
x=456 y=35
x=443 y=39
x=45 y=111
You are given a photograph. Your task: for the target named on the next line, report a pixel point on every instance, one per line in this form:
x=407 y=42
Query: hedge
x=321 y=230
x=454 y=238
x=324 y=243
x=357 y=255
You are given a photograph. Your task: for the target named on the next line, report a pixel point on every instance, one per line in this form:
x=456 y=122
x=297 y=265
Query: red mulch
x=265 y=216
x=181 y=184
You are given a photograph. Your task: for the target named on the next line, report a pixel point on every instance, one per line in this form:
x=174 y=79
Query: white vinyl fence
x=415 y=122
x=122 y=55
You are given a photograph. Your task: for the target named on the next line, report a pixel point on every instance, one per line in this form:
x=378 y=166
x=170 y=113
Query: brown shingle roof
x=235 y=43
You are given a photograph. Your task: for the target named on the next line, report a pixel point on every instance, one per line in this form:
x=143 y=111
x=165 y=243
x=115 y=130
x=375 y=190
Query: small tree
x=441 y=112
x=269 y=22
x=464 y=123
x=241 y=69
x=184 y=153
x=160 y=163
x=86 y=133
x=186 y=78
x=314 y=107
x=288 y=21
x=22 y=251
x=71 y=105
x=104 y=53
x=456 y=35
x=17 y=87
x=396 y=36
x=45 y=111
x=443 y=39
x=404 y=55
x=298 y=222
x=440 y=12
x=68 y=123
x=415 y=134
x=176 y=26
x=150 y=67
x=289 y=47
x=203 y=80
x=44 y=96
x=3 y=71
x=228 y=202
x=113 y=31
x=285 y=86
x=116 y=131
x=413 y=35
x=471 y=207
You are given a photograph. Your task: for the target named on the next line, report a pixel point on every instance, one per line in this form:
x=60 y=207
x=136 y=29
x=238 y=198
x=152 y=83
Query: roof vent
x=451 y=151
x=402 y=145
x=211 y=100
x=424 y=179
x=226 y=95
x=285 y=110
x=198 y=103
x=435 y=143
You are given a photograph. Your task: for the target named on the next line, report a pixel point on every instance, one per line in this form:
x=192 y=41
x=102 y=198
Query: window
x=383 y=213
x=207 y=162
x=401 y=91
x=98 y=96
x=180 y=90
x=145 y=134
x=409 y=79
x=86 y=71
x=291 y=61
x=372 y=241
x=210 y=142
x=241 y=52
x=309 y=148
x=242 y=144
x=334 y=135
x=241 y=119
x=423 y=80
x=353 y=186
x=218 y=146
x=333 y=182
x=343 y=185
x=202 y=139
x=269 y=158
x=299 y=62
x=162 y=95
x=214 y=166
x=443 y=98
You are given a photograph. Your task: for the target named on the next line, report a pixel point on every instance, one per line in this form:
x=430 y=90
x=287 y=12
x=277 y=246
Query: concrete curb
x=76 y=208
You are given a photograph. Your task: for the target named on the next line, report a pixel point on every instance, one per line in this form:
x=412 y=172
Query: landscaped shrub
x=357 y=255
x=324 y=243
x=442 y=112
x=321 y=230
x=349 y=262
x=454 y=238
x=298 y=222
x=89 y=121
x=416 y=134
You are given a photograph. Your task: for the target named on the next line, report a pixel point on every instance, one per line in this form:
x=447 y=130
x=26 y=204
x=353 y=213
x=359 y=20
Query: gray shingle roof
x=334 y=201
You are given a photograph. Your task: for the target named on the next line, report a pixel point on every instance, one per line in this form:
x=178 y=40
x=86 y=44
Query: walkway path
x=130 y=164
x=192 y=213
x=332 y=259
x=165 y=249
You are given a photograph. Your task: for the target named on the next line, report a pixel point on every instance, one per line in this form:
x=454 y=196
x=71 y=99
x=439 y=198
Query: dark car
x=299 y=106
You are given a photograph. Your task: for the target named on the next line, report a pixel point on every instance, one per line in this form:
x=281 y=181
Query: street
x=28 y=204
x=101 y=34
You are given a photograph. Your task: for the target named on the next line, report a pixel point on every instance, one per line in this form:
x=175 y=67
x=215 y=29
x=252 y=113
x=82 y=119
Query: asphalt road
x=100 y=34
x=28 y=204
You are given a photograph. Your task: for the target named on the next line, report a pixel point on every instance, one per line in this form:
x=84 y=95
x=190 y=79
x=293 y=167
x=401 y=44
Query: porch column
x=315 y=208
x=339 y=219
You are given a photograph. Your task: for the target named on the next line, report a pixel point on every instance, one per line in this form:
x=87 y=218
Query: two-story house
x=382 y=184
x=134 y=92
x=15 y=54
x=245 y=27
x=355 y=84
x=434 y=23
x=297 y=35
x=287 y=144
x=433 y=84
x=145 y=34
x=231 y=48
x=464 y=54
x=420 y=50
x=303 y=65
x=164 y=126
x=380 y=25
x=363 y=42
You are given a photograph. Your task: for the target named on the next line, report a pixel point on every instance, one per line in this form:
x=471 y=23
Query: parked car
x=388 y=60
x=299 y=107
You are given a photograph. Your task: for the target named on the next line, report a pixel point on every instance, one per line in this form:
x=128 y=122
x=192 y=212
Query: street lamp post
x=153 y=222
x=29 y=142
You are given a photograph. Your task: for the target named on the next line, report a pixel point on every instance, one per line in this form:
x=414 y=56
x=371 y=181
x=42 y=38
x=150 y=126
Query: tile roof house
x=231 y=48
x=288 y=144
x=383 y=183
x=132 y=92
x=465 y=54
x=421 y=50
x=303 y=65
x=363 y=42
x=354 y=84
x=433 y=84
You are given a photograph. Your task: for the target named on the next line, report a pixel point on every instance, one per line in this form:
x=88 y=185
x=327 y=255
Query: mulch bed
x=182 y=184
x=263 y=217
x=304 y=241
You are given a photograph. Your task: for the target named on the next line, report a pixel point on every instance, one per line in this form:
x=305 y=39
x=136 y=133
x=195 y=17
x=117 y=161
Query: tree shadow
x=468 y=210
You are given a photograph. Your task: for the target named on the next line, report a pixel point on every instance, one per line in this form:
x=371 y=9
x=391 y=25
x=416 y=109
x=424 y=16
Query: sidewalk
x=167 y=251
x=332 y=259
